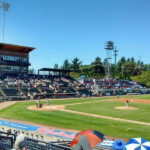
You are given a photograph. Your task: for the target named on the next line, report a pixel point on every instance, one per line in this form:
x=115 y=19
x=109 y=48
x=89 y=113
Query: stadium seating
x=34 y=90
x=43 y=86
x=62 y=86
x=11 y=92
x=7 y=142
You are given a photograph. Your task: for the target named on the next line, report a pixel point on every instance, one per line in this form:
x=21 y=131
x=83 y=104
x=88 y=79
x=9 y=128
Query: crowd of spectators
x=33 y=85
x=111 y=83
x=59 y=86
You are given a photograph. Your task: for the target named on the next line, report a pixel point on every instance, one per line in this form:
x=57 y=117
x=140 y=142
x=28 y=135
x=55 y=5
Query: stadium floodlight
x=5 y=7
x=109 y=46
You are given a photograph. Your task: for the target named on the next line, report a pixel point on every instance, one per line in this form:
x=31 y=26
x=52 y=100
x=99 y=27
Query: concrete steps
x=2 y=92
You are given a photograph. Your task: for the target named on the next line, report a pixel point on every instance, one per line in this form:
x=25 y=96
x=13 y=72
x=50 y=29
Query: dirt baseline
x=62 y=107
x=126 y=108
x=47 y=108
x=135 y=100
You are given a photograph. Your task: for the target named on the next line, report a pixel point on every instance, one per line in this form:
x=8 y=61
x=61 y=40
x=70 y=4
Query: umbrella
x=118 y=145
x=127 y=88
x=76 y=147
x=138 y=85
x=117 y=85
x=82 y=76
x=87 y=139
x=137 y=144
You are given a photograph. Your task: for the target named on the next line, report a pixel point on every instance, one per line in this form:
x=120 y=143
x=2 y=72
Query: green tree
x=56 y=66
x=66 y=65
x=112 y=70
x=76 y=63
x=85 y=70
x=128 y=60
x=31 y=71
x=97 y=67
x=130 y=69
x=132 y=59
x=120 y=65
x=143 y=79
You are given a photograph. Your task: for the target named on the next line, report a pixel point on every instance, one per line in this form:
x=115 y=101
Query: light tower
x=109 y=47
x=5 y=7
x=115 y=54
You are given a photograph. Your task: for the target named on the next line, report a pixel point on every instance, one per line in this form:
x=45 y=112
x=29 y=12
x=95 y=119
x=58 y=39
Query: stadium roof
x=55 y=70
x=18 y=48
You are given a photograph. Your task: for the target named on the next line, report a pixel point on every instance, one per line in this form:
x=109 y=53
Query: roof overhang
x=18 y=48
x=55 y=70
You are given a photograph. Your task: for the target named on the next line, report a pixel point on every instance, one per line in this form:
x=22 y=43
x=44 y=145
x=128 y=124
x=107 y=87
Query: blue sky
x=64 y=29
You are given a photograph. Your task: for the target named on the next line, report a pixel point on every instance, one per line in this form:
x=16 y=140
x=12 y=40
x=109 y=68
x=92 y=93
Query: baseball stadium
x=52 y=108
x=95 y=106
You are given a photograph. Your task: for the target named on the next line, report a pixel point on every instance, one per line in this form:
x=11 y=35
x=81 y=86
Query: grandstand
x=30 y=86
x=110 y=87
x=24 y=86
x=17 y=84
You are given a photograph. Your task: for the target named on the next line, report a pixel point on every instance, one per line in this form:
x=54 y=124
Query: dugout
x=57 y=72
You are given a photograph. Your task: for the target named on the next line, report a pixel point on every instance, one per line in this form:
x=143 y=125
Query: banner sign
x=51 y=132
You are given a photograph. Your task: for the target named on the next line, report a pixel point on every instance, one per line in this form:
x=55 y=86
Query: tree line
x=125 y=68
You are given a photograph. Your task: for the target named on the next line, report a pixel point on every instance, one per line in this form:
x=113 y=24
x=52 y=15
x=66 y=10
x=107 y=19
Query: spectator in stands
x=15 y=135
x=20 y=143
x=8 y=132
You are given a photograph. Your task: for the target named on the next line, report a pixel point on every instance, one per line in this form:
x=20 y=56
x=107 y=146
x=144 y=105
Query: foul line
x=106 y=117
x=101 y=116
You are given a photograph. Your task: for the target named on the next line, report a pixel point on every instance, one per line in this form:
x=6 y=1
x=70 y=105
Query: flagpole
x=3 y=27
x=5 y=7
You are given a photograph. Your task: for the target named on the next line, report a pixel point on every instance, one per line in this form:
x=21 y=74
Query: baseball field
x=106 y=114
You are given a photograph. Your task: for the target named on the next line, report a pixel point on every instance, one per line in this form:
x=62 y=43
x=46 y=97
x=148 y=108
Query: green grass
x=72 y=101
x=106 y=108
x=112 y=128
x=146 y=97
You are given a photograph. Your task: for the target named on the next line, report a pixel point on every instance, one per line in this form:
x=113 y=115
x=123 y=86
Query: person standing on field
x=127 y=103
x=132 y=99
x=47 y=102
x=118 y=96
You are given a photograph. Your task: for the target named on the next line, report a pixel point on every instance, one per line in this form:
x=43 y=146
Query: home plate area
x=47 y=108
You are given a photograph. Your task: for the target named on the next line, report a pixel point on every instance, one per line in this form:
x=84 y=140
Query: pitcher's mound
x=126 y=108
x=47 y=108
